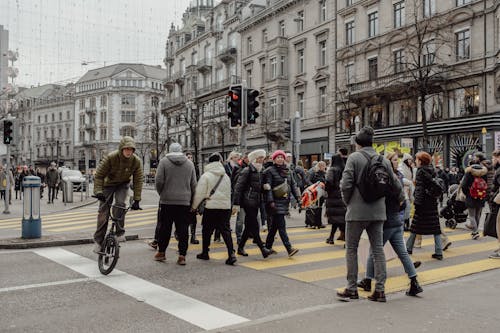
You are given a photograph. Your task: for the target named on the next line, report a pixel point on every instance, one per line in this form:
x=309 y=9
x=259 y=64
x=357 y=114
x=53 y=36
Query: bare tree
x=191 y=117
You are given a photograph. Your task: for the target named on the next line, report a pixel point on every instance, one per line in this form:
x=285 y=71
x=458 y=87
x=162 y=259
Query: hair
x=424 y=157
x=496 y=153
x=299 y=163
x=390 y=156
x=343 y=151
x=323 y=163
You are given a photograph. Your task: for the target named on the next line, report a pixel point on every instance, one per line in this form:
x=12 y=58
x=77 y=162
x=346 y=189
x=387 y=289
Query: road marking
x=186 y=308
x=46 y=284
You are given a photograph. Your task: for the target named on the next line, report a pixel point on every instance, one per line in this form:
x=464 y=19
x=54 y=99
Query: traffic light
x=252 y=104
x=288 y=129
x=7 y=132
x=234 y=105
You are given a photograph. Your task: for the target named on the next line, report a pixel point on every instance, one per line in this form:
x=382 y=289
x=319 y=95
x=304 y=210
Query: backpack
x=375 y=181
x=478 y=189
x=436 y=187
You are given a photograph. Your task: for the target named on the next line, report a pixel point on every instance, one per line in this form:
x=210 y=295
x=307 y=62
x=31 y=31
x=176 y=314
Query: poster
x=497 y=140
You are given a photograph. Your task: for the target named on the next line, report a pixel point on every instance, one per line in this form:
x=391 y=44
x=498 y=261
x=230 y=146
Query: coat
x=175 y=180
x=477 y=170
x=221 y=199
x=335 y=206
x=426 y=218
x=52 y=177
x=274 y=176
x=248 y=190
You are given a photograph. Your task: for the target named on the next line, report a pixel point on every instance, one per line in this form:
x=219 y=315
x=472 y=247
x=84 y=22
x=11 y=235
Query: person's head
x=321 y=166
x=407 y=159
x=495 y=157
x=234 y=156
x=314 y=164
x=365 y=137
x=245 y=158
x=394 y=159
x=257 y=156
x=175 y=148
x=127 y=146
x=279 y=157
x=423 y=159
x=288 y=158
x=300 y=163
x=338 y=161
x=53 y=165
x=343 y=152
x=215 y=157
x=189 y=156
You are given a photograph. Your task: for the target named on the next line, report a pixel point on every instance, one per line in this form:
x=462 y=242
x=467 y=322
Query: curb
x=19 y=243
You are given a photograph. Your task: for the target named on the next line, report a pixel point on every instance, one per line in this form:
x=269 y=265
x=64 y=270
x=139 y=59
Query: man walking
x=175 y=183
x=362 y=215
x=52 y=179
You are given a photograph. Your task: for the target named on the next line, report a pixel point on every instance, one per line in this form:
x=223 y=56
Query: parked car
x=76 y=177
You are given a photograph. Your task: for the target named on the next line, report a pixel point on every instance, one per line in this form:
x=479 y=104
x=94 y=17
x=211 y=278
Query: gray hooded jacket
x=175 y=180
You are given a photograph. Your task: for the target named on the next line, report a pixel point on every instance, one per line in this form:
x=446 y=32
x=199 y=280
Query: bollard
x=32 y=222
x=67 y=190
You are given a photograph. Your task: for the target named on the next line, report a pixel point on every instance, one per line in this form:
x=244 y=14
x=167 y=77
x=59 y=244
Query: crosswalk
x=323 y=264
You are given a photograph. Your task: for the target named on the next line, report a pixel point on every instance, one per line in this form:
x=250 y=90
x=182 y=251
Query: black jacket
x=335 y=206
x=248 y=189
x=426 y=218
x=274 y=176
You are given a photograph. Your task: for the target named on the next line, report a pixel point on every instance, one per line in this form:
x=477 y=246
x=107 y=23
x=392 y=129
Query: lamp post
x=484 y=131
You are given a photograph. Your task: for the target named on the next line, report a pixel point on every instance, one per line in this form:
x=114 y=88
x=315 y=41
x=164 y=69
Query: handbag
x=490 y=225
x=201 y=207
x=281 y=191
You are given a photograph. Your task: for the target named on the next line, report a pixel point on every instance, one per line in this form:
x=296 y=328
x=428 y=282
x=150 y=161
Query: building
x=4 y=64
x=114 y=101
x=397 y=58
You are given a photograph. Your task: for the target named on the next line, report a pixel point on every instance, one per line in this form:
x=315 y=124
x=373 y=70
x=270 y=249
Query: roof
x=149 y=71
x=37 y=92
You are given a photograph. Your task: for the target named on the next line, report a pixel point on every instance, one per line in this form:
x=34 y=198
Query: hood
x=126 y=142
x=176 y=158
x=216 y=168
x=428 y=169
x=477 y=170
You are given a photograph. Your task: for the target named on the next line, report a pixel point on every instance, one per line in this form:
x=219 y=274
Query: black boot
x=415 y=288
x=242 y=252
x=365 y=284
x=341 y=236
x=377 y=296
x=192 y=226
x=265 y=251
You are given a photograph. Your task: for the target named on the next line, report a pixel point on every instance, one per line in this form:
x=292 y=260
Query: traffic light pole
x=296 y=137
x=244 y=111
x=8 y=173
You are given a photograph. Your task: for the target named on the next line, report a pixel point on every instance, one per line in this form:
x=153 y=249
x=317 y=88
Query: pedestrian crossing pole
x=244 y=111
x=7 y=170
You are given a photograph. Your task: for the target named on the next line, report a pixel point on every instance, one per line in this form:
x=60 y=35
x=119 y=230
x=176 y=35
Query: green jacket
x=115 y=169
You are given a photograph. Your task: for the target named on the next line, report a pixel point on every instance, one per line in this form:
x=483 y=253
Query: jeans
x=52 y=193
x=437 y=243
x=395 y=237
x=216 y=219
x=475 y=217
x=375 y=235
x=167 y=216
x=120 y=193
x=278 y=224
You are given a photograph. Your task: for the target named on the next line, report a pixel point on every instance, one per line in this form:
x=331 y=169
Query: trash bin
x=67 y=190
x=31 y=223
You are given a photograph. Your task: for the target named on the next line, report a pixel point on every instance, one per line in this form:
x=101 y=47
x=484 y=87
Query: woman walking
x=474 y=186
x=335 y=206
x=426 y=218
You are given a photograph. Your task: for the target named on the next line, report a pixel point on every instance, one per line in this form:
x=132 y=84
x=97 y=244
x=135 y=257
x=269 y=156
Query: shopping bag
x=490 y=225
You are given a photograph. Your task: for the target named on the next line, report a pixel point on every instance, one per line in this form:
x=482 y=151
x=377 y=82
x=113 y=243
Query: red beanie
x=278 y=153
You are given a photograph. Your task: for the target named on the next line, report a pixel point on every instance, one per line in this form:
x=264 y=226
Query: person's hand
x=135 y=205
x=100 y=197
x=236 y=209
x=271 y=206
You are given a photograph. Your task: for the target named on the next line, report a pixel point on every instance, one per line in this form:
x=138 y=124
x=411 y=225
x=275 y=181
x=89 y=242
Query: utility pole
x=8 y=170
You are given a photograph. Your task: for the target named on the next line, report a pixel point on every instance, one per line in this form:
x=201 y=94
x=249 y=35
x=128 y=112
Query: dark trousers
x=251 y=228
x=52 y=193
x=167 y=216
x=216 y=219
x=278 y=224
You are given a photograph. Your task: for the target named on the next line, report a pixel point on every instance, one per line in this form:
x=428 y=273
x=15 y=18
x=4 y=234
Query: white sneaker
x=97 y=248
x=121 y=238
x=264 y=228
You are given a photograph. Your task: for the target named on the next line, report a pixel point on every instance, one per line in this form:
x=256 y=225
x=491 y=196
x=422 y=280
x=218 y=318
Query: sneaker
x=417 y=264
x=446 y=246
x=495 y=255
x=121 y=238
x=271 y=251
x=475 y=235
x=203 y=256
x=347 y=295
x=153 y=244
x=97 y=248
x=159 y=256
x=292 y=252
x=181 y=261
x=241 y=252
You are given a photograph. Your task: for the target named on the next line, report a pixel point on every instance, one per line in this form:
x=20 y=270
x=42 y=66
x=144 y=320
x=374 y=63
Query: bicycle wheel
x=108 y=257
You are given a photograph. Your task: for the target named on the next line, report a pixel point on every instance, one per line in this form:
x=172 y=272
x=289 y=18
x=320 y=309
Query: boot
x=242 y=252
x=377 y=296
x=329 y=240
x=365 y=284
x=192 y=226
x=341 y=236
x=415 y=288
x=265 y=252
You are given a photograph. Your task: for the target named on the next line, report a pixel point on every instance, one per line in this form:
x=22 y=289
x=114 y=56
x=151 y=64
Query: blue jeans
x=278 y=224
x=395 y=237
x=437 y=243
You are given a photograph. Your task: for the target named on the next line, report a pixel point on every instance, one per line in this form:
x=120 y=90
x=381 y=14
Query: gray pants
x=120 y=193
x=475 y=217
x=375 y=233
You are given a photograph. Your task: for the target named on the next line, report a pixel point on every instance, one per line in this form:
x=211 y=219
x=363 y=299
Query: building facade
x=4 y=64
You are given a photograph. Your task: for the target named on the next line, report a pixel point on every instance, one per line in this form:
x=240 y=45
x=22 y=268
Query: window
x=262 y=73
x=282 y=71
x=399 y=14
x=322 y=99
x=463 y=45
x=399 y=60
x=300 y=64
x=128 y=116
x=372 y=69
x=462 y=2
x=53 y=118
x=59 y=132
x=67 y=132
x=128 y=101
x=127 y=131
x=249 y=45
x=463 y=102
x=46 y=119
x=322 y=10
x=322 y=53
x=68 y=116
x=273 y=72
x=272 y=106
x=249 y=77
x=60 y=116
x=264 y=38
x=349 y=73
x=103 y=134
x=429 y=8
x=349 y=33
x=281 y=29
x=103 y=100
x=429 y=54
x=92 y=102
x=103 y=119
x=372 y=24
x=300 y=104
x=82 y=104
x=348 y=3
x=281 y=114
x=39 y=119
x=300 y=21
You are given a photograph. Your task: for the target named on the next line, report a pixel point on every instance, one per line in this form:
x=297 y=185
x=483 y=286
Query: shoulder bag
x=201 y=206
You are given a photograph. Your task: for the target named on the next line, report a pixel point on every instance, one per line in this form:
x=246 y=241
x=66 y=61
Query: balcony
x=227 y=55
x=89 y=127
x=204 y=65
x=279 y=41
x=91 y=110
x=87 y=143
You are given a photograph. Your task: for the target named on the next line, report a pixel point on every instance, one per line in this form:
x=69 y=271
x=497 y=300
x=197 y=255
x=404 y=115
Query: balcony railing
x=227 y=54
x=204 y=65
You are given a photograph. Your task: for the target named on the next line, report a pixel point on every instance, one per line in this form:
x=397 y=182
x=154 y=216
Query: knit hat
x=215 y=157
x=175 y=148
x=365 y=137
x=278 y=153
x=407 y=157
x=254 y=155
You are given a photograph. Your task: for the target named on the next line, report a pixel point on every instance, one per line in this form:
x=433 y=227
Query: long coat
x=426 y=218
x=274 y=176
x=335 y=206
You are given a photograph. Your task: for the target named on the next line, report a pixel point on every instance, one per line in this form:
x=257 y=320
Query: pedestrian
x=193 y=221
x=335 y=206
x=314 y=214
x=362 y=215
x=3 y=183
x=474 y=185
x=495 y=158
x=175 y=182
x=52 y=181
x=112 y=179
x=393 y=232
x=407 y=171
x=248 y=194
x=453 y=176
x=215 y=187
x=18 y=183
x=426 y=218
x=278 y=185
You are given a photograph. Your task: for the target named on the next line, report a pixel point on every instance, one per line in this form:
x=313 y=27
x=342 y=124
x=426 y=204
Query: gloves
x=135 y=205
x=100 y=197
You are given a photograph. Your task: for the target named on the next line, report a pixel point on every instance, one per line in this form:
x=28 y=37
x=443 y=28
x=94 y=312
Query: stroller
x=453 y=212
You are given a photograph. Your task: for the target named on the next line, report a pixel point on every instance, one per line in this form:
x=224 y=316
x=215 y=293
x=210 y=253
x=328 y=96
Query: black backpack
x=375 y=181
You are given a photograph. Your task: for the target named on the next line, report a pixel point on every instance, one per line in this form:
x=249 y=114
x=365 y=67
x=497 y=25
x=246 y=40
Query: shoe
x=446 y=246
x=97 y=248
x=121 y=238
x=409 y=251
x=271 y=251
x=231 y=260
x=265 y=252
x=203 y=256
x=241 y=252
x=292 y=252
x=194 y=240
x=417 y=264
x=159 y=256
x=341 y=236
x=415 y=288
x=468 y=226
x=377 y=296
x=329 y=240
x=181 y=260
x=217 y=240
x=321 y=226
x=437 y=256
x=475 y=235
x=264 y=228
x=347 y=295
x=495 y=255
x=365 y=284
x=153 y=244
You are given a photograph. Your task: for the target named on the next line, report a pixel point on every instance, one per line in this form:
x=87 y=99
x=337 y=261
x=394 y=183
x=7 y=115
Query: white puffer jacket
x=221 y=199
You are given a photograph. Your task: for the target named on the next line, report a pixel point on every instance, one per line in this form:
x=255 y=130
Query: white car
x=75 y=177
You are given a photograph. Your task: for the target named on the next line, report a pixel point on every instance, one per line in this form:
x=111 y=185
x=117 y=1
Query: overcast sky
x=54 y=37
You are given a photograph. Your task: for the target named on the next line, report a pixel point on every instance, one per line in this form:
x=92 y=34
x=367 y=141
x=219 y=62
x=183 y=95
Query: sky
x=54 y=37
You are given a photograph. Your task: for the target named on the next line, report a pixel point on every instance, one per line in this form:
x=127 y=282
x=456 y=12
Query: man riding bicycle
x=112 y=177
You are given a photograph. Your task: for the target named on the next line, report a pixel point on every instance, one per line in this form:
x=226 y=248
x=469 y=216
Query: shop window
x=463 y=102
